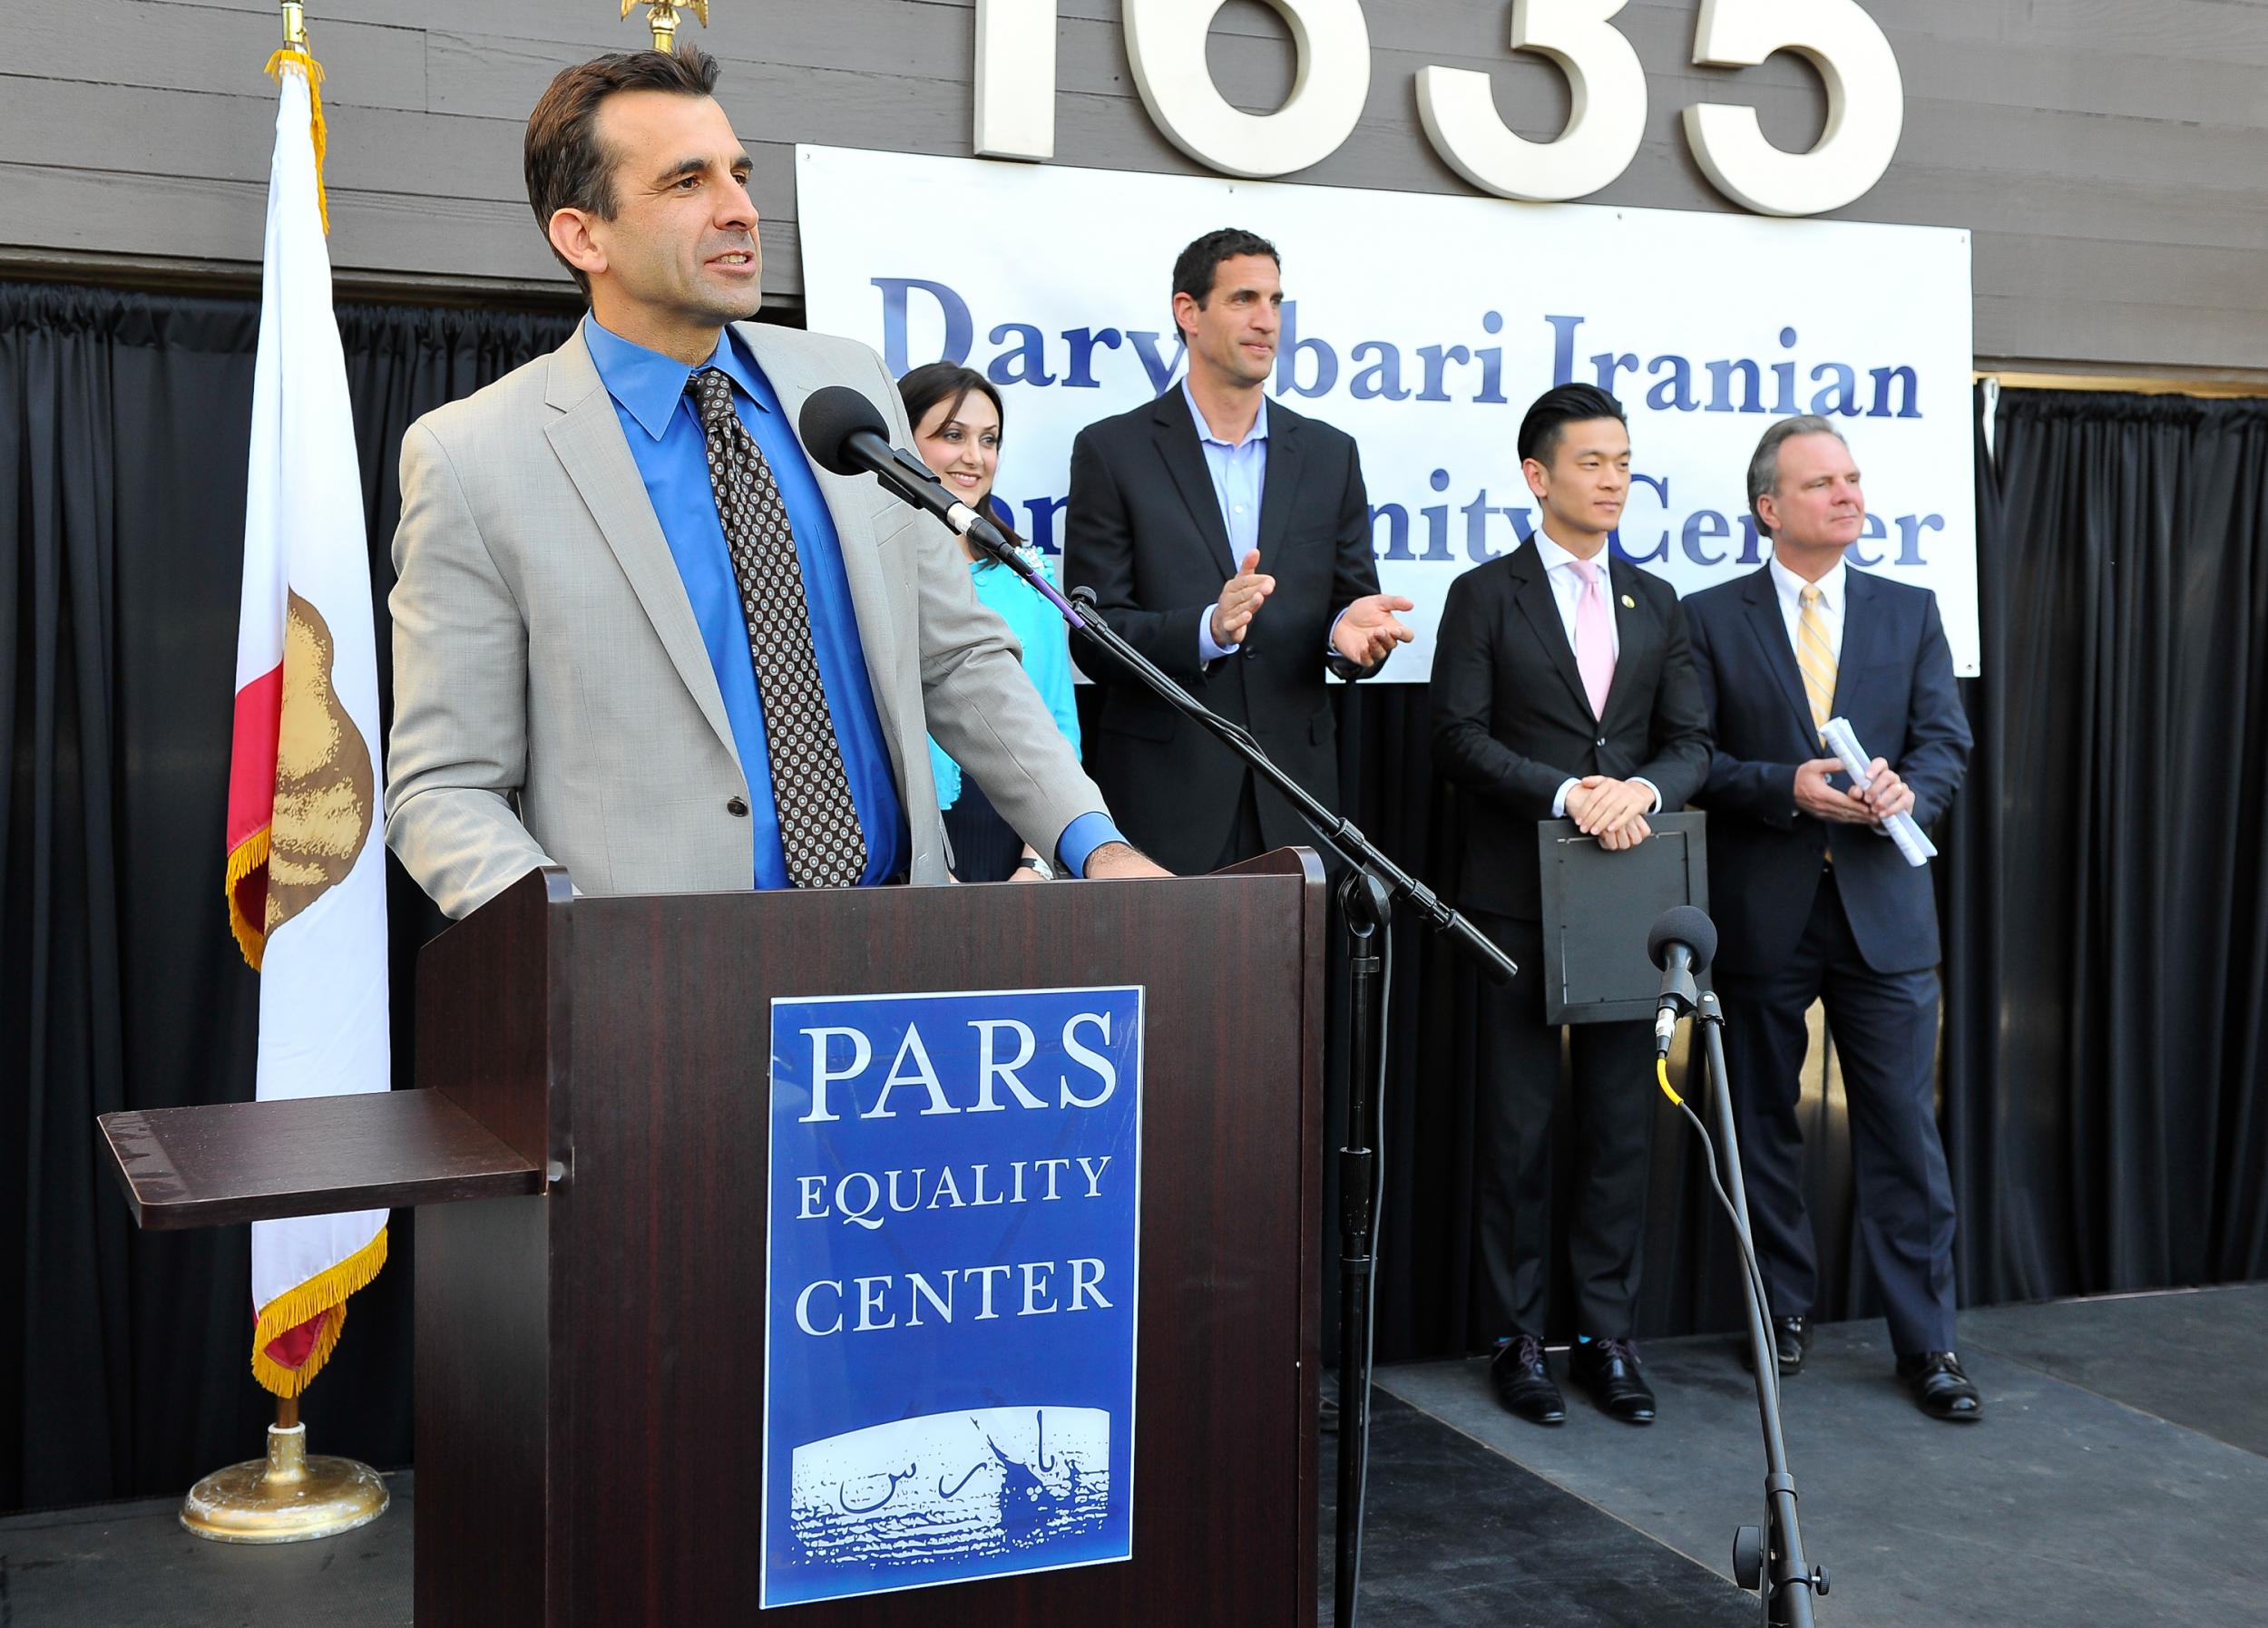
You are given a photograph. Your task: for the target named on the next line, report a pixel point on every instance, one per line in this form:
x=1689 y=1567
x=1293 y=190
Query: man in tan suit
x=636 y=632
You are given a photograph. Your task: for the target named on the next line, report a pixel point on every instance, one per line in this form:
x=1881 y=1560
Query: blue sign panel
x=950 y=1300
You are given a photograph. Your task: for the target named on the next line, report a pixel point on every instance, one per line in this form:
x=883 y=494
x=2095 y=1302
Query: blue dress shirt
x=663 y=428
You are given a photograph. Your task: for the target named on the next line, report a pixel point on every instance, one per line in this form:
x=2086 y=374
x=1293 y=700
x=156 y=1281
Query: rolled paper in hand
x=1912 y=840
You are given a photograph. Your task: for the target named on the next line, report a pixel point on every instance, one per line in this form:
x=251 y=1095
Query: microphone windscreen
x=829 y=419
x=1683 y=924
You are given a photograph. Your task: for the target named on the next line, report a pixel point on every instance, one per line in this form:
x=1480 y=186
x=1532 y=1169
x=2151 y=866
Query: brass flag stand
x=287 y=1496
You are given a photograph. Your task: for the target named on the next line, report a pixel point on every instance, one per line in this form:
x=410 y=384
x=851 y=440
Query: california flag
x=306 y=875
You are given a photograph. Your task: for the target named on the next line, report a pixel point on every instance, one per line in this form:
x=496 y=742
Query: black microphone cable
x=1740 y=1232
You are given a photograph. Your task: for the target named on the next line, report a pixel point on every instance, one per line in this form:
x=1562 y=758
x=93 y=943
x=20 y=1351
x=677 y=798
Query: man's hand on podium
x=1114 y=860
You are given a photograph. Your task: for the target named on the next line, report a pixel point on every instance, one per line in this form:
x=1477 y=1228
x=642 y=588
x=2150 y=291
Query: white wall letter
x=1164 y=40
x=1866 y=107
x=1015 y=79
x=1608 y=88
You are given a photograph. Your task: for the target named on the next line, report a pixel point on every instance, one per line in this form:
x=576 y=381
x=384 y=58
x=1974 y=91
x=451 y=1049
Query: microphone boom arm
x=1336 y=832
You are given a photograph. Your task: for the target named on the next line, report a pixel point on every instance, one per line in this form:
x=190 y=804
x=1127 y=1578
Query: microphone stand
x=1367 y=897
x=1792 y=1582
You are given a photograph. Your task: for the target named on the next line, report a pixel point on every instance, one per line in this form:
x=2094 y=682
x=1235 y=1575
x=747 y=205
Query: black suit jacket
x=1145 y=532
x=1511 y=722
x=1894 y=683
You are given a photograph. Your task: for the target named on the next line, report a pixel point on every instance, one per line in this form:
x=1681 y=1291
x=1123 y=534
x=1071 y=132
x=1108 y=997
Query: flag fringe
x=307 y=65
x=326 y=1291
x=246 y=857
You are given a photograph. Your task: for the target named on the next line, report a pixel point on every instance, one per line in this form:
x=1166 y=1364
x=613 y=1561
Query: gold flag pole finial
x=294 y=25
x=661 y=16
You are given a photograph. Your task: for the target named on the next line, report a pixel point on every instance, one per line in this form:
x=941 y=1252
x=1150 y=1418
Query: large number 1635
x=1166 y=42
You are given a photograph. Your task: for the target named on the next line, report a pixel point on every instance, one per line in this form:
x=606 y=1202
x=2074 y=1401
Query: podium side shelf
x=224 y=1163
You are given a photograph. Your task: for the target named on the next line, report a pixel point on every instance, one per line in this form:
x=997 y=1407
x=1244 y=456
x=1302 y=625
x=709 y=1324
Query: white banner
x=1423 y=325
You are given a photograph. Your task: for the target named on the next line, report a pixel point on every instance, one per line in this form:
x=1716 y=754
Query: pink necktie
x=1594 y=638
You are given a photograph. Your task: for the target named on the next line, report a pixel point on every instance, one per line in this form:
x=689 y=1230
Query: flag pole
x=661 y=17
x=287 y=1496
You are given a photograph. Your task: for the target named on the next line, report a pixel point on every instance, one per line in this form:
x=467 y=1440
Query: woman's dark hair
x=568 y=167
x=925 y=387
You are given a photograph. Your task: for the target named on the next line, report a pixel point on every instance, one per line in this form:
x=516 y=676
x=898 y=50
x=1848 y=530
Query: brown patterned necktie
x=818 y=822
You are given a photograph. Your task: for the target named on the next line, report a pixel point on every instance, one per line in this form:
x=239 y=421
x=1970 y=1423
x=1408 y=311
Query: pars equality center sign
x=955 y=1188
x=1424 y=326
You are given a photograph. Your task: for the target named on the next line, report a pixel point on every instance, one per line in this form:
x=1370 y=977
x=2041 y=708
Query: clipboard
x=1598 y=908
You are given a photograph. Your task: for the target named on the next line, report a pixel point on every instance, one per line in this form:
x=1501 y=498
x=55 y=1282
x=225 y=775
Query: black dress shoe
x=1608 y=1370
x=1522 y=1376
x=1940 y=1387
x=1791 y=1338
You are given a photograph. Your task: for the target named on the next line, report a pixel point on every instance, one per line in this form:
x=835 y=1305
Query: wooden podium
x=589 y=1336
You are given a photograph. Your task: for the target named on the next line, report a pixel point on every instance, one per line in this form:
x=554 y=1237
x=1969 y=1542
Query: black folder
x=1598 y=908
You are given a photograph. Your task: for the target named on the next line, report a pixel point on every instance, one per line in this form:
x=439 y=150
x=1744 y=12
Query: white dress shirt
x=1790 y=588
x=1566 y=583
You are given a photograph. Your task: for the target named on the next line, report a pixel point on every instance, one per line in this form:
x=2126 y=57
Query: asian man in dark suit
x=1227 y=538
x=1813 y=900
x=1562 y=688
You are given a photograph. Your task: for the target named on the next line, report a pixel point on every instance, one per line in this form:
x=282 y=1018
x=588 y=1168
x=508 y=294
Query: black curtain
x=2102 y=888
x=123 y=1355
x=2105 y=890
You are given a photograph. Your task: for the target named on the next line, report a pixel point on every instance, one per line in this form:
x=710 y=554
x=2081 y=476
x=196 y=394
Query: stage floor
x=2120 y=1478
x=2117 y=1476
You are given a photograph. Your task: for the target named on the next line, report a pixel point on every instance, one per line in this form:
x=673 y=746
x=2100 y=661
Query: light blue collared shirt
x=1240 y=473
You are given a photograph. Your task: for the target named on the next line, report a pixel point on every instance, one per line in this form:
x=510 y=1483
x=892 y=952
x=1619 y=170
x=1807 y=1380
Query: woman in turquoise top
x=956 y=417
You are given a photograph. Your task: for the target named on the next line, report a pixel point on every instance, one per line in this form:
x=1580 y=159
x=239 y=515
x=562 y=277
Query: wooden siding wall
x=2110 y=156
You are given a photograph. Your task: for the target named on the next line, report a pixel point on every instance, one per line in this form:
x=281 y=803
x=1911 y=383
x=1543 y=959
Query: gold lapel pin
x=1629 y=603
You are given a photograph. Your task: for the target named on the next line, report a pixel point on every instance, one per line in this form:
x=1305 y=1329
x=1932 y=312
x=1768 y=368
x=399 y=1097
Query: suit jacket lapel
x=1770 y=629
x=1533 y=595
x=1858 y=626
x=1184 y=460
x=1278 y=489
x=1633 y=627
x=586 y=437
x=787 y=365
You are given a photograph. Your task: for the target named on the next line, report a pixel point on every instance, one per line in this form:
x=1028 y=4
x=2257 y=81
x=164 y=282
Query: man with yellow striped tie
x=1813 y=901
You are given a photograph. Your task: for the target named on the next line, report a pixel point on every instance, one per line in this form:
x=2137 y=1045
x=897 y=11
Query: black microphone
x=1682 y=944
x=845 y=434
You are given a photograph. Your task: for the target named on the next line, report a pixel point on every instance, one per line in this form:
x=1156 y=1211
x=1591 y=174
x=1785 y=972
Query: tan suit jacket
x=554 y=702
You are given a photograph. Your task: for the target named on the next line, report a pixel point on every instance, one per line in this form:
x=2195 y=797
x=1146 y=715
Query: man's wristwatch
x=1037 y=867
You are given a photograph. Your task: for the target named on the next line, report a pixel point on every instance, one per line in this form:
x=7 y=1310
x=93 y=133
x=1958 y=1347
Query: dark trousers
x=985 y=847
x=1884 y=1028
x=1244 y=831
x=1613 y=1129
